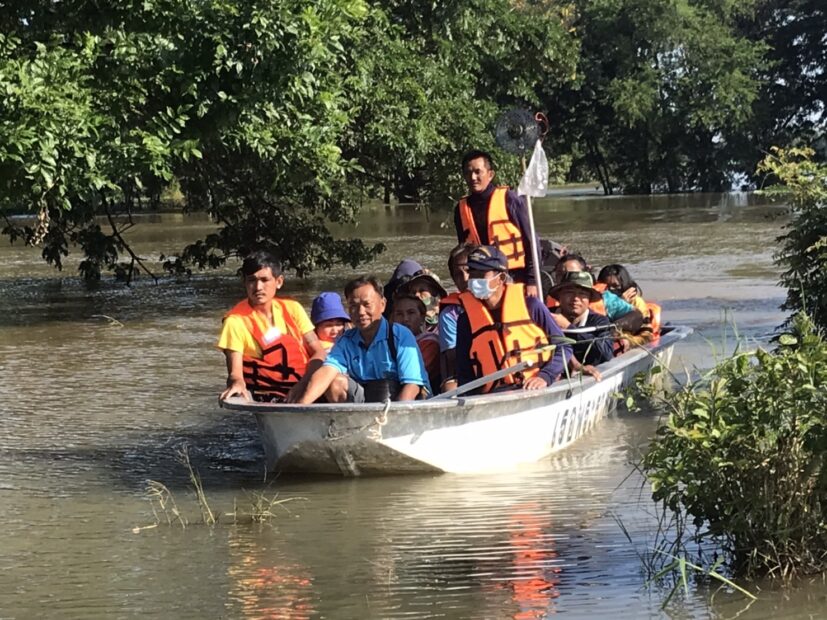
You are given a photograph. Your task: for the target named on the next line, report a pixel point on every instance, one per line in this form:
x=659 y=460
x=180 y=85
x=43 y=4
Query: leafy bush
x=802 y=182
x=742 y=456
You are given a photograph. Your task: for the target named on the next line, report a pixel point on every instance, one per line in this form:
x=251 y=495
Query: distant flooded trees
x=278 y=118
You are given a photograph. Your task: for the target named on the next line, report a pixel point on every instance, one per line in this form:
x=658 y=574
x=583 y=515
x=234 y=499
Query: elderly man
x=497 y=216
x=269 y=343
x=372 y=361
x=501 y=327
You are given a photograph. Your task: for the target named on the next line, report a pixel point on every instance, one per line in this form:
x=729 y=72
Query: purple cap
x=406 y=268
x=327 y=306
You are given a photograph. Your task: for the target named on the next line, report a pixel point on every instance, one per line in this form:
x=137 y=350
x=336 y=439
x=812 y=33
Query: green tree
x=802 y=183
x=661 y=83
x=277 y=118
x=438 y=79
x=790 y=108
x=243 y=102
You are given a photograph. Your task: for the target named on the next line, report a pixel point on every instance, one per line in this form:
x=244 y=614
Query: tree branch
x=116 y=233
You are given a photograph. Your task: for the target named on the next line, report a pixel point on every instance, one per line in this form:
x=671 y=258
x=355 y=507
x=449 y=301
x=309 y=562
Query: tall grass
x=257 y=506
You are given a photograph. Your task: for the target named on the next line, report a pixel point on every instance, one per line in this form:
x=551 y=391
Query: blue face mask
x=481 y=287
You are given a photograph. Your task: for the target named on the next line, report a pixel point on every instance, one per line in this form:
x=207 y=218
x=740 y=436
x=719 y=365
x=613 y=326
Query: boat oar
x=503 y=372
x=588 y=330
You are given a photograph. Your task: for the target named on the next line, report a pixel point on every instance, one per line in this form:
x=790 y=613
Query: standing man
x=501 y=327
x=375 y=357
x=497 y=216
x=269 y=343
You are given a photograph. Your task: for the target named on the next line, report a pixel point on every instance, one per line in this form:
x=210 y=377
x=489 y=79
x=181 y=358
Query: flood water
x=93 y=408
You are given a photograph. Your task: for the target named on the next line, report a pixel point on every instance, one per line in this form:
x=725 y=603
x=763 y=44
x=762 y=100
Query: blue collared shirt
x=363 y=363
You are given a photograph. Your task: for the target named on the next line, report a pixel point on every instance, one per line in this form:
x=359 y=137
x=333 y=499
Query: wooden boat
x=467 y=434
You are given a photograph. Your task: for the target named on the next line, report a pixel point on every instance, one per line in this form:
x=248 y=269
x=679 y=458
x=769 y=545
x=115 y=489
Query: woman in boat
x=426 y=286
x=409 y=311
x=616 y=279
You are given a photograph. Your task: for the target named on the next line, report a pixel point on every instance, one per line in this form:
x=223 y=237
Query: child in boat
x=329 y=318
x=410 y=311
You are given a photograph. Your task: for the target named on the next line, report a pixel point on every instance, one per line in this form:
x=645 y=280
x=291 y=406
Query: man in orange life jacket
x=496 y=216
x=499 y=322
x=269 y=343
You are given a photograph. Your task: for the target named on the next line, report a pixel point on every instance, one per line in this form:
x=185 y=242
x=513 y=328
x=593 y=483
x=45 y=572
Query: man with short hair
x=501 y=327
x=575 y=293
x=497 y=216
x=268 y=343
x=374 y=357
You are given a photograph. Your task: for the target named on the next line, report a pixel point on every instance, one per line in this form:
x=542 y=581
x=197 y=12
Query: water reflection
x=263 y=585
x=534 y=574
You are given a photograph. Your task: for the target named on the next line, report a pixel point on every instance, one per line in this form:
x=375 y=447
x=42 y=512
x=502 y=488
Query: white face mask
x=481 y=287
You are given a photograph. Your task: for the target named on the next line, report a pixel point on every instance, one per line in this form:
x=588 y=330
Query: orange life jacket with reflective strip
x=502 y=232
x=499 y=345
x=654 y=317
x=283 y=360
x=451 y=299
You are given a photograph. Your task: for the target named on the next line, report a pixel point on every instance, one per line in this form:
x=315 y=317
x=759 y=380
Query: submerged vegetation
x=739 y=462
x=740 y=457
x=256 y=507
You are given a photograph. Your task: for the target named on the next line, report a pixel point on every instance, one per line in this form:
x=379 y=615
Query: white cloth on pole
x=535 y=180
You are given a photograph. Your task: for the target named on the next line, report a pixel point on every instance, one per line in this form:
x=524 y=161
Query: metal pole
x=534 y=251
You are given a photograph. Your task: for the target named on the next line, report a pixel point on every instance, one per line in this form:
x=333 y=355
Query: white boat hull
x=463 y=435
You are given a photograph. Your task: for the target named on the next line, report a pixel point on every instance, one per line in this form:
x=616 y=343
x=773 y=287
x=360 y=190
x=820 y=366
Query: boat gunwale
x=570 y=386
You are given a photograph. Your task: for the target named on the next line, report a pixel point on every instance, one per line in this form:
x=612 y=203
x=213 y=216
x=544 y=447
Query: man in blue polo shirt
x=365 y=360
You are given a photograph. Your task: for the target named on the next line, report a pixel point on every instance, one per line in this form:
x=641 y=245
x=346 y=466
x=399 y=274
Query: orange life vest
x=654 y=317
x=502 y=232
x=498 y=345
x=451 y=299
x=283 y=360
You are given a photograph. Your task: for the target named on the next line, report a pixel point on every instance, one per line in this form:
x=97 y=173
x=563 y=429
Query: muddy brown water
x=93 y=409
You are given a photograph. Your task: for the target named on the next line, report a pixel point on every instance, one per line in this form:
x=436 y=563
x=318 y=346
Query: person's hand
x=236 y=388
x=562 y=322
x=625 y=344
x=531 y=290
x=295 y=393
x=535 y=383
x=588 y=369
x=629 y=294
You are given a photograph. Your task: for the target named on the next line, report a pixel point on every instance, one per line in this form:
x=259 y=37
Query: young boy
x=329 y=318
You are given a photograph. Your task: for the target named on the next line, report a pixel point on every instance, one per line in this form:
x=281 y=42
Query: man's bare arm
x=235 y=376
